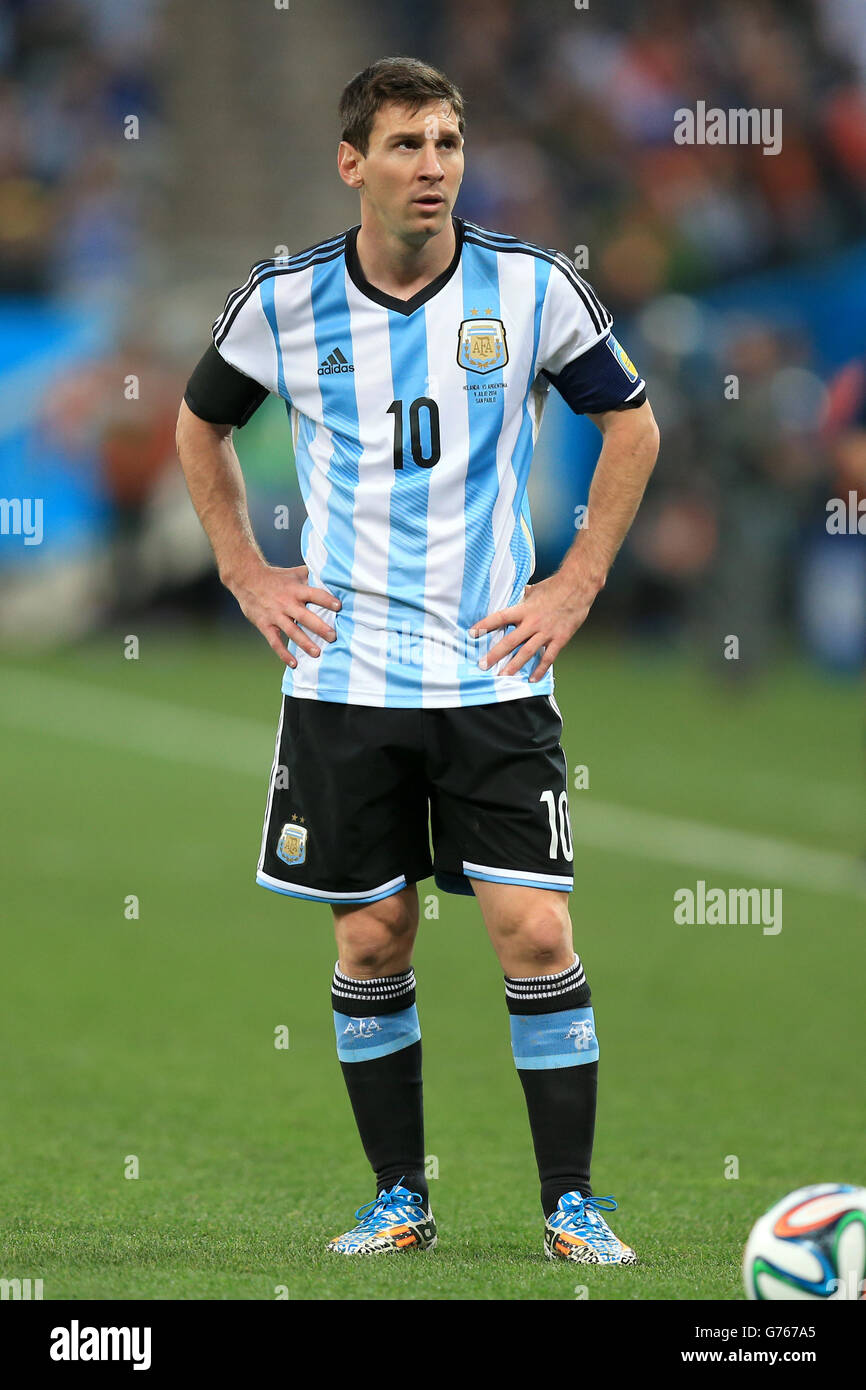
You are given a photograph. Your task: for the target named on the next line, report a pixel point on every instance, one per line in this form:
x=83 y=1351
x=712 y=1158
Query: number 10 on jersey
x=416 y=440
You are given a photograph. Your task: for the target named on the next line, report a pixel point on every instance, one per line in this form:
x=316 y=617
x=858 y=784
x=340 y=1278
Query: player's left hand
x=548 y=616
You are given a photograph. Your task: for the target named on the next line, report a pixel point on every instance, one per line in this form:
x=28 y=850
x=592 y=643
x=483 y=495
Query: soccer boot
x=395 y=1220
x=577 y=1231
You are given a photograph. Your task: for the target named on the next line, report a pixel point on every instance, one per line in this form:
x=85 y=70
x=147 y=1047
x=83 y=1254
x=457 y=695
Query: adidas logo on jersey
x=335 y=362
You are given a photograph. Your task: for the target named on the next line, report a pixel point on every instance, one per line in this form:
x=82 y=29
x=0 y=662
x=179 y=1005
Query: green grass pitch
x=155 y=1037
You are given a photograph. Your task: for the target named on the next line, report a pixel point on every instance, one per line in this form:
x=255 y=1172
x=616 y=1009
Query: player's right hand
x=275 y=601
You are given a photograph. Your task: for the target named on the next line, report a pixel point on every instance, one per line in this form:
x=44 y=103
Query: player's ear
x=348 y=165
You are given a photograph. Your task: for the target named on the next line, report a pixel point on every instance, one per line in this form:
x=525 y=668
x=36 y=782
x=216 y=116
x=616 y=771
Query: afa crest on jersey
x=481 y=345
x=292 y=844
x=623 y=358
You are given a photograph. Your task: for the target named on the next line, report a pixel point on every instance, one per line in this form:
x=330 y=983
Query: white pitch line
x=62 y=708
x=136 y=723
x=767 y=861
x=832 y=804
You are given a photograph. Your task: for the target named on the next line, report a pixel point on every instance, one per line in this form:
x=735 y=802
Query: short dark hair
x=407 y=81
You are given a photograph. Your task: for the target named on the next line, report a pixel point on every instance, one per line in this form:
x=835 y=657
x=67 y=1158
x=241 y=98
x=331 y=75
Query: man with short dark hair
x=414 y=353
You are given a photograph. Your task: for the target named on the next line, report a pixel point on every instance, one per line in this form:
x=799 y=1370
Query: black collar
x=389 y=301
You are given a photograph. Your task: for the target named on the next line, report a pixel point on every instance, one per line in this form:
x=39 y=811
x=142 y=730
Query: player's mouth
x=429 y=200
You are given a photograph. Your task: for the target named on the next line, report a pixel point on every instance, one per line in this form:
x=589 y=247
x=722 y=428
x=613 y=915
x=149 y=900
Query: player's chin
x=431 y=215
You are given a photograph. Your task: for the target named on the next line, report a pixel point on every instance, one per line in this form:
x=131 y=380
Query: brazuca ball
x=812 y=1244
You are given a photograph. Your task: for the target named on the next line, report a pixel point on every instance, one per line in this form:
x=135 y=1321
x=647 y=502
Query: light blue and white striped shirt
x=414 y=424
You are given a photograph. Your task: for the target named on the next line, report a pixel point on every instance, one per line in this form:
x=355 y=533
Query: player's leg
x=556 y=1054
x=379 y=1046
x=378 y=1035
x=346 y=824
x=501 y=827
x=552 y=1029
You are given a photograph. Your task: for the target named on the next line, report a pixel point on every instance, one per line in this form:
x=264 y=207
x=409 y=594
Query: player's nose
x=430 y=165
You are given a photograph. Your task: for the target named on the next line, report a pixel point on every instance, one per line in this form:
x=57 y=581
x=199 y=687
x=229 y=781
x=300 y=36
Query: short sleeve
x=243 y=335
x=573 y=318
x=578 y=354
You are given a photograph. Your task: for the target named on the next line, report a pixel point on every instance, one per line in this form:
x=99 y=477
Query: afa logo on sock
x=362 y=1028
x=583 y=1033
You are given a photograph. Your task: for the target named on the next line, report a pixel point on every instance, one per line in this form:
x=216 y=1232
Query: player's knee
x=397 y=915
x=377 y=939
x=544 y=940
x=373 y=953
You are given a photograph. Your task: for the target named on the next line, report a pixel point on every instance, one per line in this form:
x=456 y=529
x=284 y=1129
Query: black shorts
x=357 y=791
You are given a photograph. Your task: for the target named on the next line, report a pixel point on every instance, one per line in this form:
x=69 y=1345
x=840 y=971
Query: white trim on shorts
x=322 y=895
x=271 y=787
x=562 y=883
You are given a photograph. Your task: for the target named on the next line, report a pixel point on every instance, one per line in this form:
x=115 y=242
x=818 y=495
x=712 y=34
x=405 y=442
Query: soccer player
x=414 y=353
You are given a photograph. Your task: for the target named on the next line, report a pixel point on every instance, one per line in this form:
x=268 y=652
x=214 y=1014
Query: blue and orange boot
x=395 y=1220
x=577 y=1231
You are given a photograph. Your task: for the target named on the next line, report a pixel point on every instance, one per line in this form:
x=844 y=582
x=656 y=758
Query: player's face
x=412 y=171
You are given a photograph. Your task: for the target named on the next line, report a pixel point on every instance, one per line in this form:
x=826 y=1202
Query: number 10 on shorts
x=562 y=833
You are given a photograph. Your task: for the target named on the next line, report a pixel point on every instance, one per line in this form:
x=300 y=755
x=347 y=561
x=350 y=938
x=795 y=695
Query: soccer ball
x=812 y=1244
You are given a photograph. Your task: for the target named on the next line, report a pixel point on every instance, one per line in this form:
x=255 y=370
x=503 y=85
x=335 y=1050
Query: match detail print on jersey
x=414 y=424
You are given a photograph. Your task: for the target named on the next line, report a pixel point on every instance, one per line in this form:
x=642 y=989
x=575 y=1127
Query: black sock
x=379 y=1047
x=556 y=1055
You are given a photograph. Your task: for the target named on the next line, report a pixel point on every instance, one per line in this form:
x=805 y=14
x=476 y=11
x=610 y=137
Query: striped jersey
x=414 y=423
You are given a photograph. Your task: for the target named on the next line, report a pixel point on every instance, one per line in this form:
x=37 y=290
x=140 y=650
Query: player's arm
x=273 y=599
x=630 y=445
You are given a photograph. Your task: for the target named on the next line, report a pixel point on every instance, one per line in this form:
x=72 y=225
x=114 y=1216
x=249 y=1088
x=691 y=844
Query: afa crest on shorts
x=292 y=844
x=481 y=345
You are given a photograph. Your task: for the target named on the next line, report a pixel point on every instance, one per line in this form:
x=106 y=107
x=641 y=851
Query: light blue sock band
x=543 y=1041
x=363 y=1039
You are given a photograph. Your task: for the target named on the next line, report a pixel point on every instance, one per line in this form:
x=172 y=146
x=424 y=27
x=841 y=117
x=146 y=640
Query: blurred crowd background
x=149 y=154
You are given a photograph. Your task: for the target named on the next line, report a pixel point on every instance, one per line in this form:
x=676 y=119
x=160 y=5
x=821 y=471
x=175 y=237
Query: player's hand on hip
x=544 y=620
x=275 y=601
